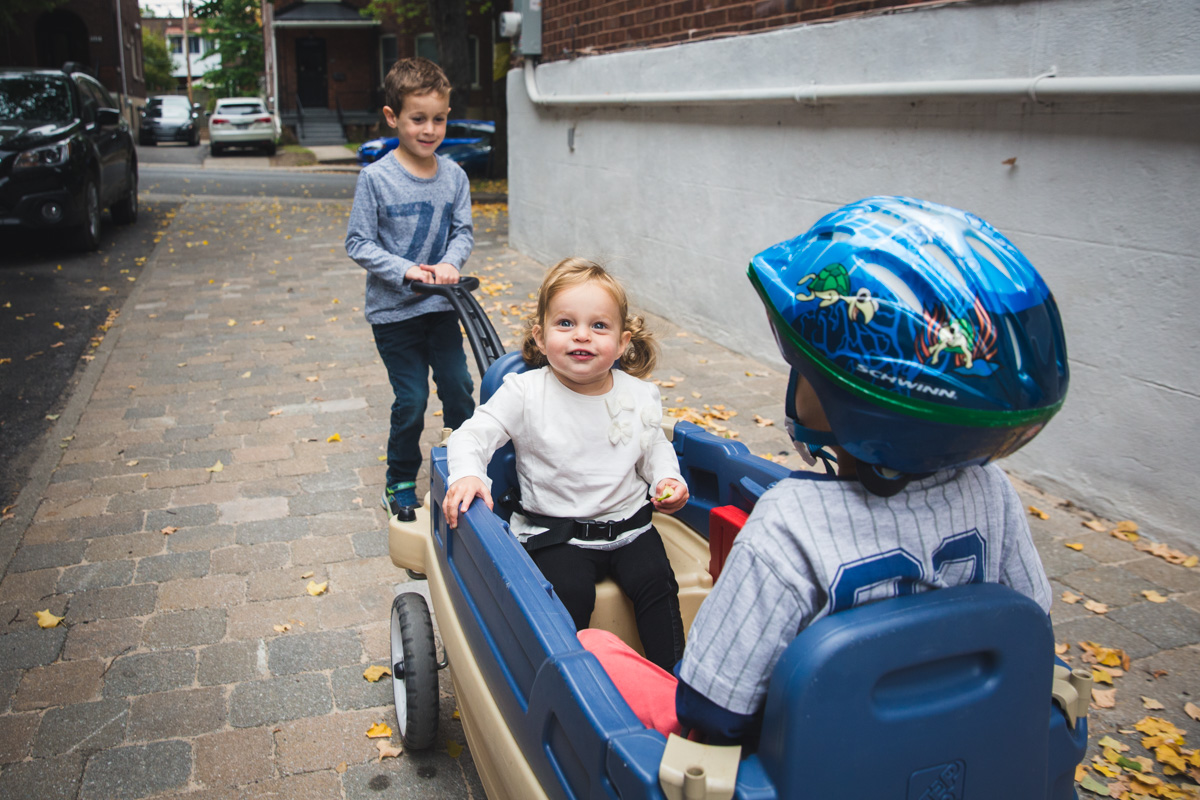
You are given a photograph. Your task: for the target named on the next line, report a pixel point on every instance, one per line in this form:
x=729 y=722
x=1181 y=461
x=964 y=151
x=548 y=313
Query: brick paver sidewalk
x=193 y=485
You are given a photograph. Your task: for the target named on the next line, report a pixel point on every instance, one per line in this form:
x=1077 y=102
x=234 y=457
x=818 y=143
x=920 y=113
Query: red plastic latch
x=724 y=522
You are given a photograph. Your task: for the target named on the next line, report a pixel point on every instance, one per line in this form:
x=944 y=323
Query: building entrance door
x=311 y=83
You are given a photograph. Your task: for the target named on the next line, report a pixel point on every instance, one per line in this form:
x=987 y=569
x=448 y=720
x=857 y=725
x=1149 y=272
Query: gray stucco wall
x=1104 y=198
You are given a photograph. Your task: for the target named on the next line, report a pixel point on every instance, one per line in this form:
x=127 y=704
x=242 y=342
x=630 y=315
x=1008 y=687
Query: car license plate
x=242 y=125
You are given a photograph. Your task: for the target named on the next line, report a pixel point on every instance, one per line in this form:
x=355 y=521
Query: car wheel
x=414 y=671
x=271 y=148
x=150 y=142
x=217 y=149
x=125 y=210
x=87 y=235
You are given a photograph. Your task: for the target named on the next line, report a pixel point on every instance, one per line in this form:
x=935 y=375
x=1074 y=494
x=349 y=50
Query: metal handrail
x=299 y=118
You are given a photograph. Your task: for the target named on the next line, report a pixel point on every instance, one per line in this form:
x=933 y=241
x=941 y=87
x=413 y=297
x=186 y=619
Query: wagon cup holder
x=695 y=771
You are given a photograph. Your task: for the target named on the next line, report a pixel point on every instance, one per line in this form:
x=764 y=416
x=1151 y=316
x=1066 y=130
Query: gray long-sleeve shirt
x=399 y=220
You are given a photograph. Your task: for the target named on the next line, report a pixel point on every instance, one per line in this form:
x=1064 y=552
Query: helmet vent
x=984 y=251
x=936 y=253
x=1016 y=345
x=899 y=289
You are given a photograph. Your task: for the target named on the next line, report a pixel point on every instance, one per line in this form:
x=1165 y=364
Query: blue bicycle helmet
x=930 y=340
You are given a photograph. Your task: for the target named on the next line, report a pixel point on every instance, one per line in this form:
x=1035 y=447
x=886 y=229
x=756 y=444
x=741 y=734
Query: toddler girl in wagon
x=589 y=448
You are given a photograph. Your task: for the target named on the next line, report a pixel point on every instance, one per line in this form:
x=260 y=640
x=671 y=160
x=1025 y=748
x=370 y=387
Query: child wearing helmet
x=923 y=345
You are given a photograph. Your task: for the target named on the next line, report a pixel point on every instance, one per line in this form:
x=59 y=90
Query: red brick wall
x=583 y=27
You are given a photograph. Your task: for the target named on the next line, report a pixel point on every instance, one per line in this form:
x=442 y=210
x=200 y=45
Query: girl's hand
x=460 y=495
x=670 y=495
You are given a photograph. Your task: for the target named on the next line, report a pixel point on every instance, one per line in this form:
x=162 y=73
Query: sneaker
x=400 y=501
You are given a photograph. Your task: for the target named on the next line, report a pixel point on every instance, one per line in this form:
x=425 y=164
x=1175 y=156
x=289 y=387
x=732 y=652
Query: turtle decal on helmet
x=930 y=339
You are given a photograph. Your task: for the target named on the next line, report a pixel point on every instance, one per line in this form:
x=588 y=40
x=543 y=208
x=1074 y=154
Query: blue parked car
x=468 y=143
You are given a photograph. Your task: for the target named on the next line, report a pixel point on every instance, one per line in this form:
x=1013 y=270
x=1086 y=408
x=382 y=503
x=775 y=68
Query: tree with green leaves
x=10 y=10
x=235 y=27
x=156 y=62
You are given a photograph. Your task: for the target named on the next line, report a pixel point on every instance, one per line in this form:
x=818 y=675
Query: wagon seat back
x=943 y=694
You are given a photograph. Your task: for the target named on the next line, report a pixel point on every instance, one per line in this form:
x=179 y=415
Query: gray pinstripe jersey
x=814 y=547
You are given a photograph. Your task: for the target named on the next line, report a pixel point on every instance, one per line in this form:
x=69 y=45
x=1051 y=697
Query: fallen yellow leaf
x=1152 y=704
x=1191 y=561
x=1037 y=512
x=308 y=574
x=1104 y=698
x=246 y=374
x=217 y=467
x=132 y=463
x=1153 y=596
x=282 y=628
x=388 y=750
x=763 y=422
x=1127 y=526
x=312 y=379
x=315 y=588
x=380 y=730
x=46 y=619
x=231 y=323
x=340 y=768
x=167 y=531
x=334 y=438
x=1060 y=648
x=1095 y=607
x=375 y=672
x=1074 y=545
x=1100 y=675
x=1070 y=598
x=453 y=748
x=1192 y=710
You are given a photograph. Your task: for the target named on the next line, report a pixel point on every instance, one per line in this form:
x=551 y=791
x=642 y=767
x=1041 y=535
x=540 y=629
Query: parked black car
x=65 y=154
x=170 y=118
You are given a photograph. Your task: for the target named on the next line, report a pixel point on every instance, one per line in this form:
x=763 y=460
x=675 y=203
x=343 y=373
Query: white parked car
x=242 y=122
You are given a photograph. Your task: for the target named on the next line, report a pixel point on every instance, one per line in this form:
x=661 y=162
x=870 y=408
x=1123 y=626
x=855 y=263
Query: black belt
x=560 y=529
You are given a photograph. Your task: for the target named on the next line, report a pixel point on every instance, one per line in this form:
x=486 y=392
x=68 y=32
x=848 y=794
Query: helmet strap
x=809 y=443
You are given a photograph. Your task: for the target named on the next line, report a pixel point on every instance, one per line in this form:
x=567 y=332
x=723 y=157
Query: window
x=194 y=43
x=177 y=44
x=389 y=52
x=427 y=48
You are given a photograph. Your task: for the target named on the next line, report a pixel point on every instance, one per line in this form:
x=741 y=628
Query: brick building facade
x=327 y=57
x=584 y=27
x=86 y=32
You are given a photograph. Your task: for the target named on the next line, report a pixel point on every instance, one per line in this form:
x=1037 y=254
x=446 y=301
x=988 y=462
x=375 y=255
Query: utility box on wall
x=524 y=25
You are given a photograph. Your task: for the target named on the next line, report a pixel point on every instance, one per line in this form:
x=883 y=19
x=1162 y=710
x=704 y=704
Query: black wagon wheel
x=414 y=671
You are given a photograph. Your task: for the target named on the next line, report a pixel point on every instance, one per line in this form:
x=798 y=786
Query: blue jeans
x=409 y=349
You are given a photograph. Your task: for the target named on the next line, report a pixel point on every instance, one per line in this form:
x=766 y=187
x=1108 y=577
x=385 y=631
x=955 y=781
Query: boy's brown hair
x=638 y=359
x=413 y=76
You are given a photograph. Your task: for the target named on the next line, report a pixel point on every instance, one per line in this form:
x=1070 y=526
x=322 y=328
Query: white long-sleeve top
x=578 y=456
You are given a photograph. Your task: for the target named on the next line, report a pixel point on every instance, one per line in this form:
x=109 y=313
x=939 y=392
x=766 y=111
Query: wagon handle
x=485 y=343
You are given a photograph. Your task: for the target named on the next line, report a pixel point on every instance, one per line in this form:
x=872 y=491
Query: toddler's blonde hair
x=638 y=359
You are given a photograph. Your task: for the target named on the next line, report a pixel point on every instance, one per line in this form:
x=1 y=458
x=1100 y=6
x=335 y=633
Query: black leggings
x=643 y=572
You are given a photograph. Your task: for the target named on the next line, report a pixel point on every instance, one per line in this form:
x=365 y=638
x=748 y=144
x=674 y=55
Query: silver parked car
x=242 y=122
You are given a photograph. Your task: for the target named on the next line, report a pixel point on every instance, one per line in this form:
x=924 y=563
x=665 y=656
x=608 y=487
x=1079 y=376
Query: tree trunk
x=450 y=29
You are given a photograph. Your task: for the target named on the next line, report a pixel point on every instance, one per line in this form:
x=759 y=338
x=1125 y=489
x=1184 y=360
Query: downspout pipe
x=1046 y=86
